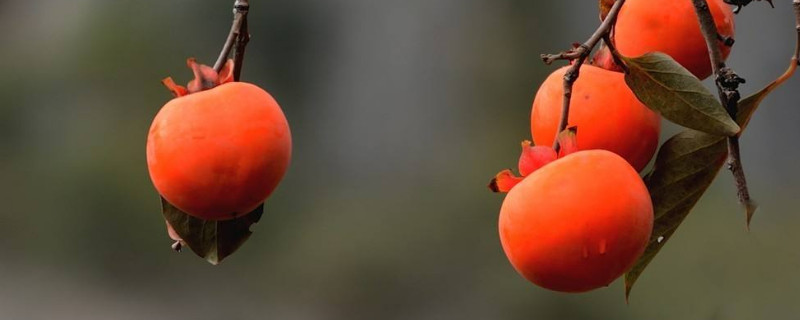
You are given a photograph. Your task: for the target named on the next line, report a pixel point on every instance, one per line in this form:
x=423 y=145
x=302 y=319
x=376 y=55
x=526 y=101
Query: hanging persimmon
x=219 y=148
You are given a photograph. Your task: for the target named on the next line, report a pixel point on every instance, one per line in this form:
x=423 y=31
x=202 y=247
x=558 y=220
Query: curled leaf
x=211 y=240
x=747 y=108
x=749 y=105
x=669 y=89
x=685 y=167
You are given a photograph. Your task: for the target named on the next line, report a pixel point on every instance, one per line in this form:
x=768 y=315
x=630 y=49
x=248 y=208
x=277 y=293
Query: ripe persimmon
x=605 y=111
x=220 y=148
x=671 y=27
x=577 y=223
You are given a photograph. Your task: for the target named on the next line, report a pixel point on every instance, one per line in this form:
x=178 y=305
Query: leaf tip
x=628 y=288
x=733 y=129
x=214 y=258
x=750 y=209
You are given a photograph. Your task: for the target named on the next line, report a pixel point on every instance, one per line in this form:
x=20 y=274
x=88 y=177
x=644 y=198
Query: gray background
x=401 y=111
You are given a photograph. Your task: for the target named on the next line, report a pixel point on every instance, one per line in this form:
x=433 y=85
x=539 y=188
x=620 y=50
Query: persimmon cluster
x=579 y=218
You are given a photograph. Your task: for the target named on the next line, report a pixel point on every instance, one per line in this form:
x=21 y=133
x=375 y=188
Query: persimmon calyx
x=568 y=141
x=504 y=181
x=533 y=158
x=205 y=78
x=605 y=59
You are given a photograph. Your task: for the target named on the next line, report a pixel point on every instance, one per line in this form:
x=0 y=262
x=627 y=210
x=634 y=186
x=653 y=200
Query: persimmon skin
x=577 y=223
x=606 y=113
x=673 y=28
x=218 y=154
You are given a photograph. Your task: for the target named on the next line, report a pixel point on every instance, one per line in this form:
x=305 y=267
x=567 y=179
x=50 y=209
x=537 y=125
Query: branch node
x=571 y=75
x=727 y=41
x=728 y=79
x=240 y=8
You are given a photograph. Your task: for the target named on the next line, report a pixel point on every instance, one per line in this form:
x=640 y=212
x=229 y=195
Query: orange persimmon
x=671 y=27
x=220 y=148
x=577 y=223
x=605 y=111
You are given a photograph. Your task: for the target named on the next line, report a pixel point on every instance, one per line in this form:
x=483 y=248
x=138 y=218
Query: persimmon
x=605 y=111
x=220 y=148
x=577 y=223
x=671 y=27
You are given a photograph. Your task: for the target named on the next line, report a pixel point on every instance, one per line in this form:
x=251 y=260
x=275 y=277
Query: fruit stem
x=614 y=53
x=237 y=39
x=727 y=82
x=578 y=55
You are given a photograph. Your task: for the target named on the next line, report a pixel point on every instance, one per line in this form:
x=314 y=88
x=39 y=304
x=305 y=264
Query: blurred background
x=401 y=112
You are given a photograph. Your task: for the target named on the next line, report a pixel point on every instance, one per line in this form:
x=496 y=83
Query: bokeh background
x=401 y=111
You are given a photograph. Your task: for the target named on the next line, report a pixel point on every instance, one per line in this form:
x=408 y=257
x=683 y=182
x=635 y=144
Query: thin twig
x=578 y=55
x=239 y=48
x=237 y=39
x=796 y=5
x=728 y=87
x=710 y=33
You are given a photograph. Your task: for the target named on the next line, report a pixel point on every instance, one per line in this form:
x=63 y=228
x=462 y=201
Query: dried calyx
x=533 y=158
x=205 y=78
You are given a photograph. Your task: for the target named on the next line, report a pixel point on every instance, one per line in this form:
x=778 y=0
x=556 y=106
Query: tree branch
x=578 y=55
x=237 y=39
x=727 y=82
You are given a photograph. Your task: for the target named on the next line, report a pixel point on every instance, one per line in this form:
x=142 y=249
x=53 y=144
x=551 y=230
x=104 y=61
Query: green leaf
x=669 y=89
x=685 y=167
x=211 y=240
